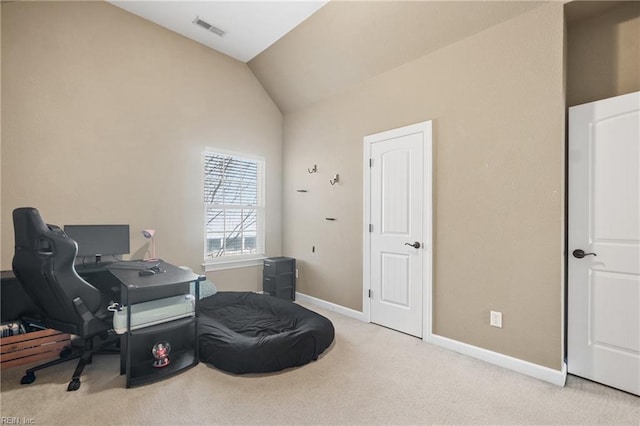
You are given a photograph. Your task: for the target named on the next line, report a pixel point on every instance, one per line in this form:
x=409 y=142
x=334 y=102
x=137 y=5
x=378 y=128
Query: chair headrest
x=28 y=227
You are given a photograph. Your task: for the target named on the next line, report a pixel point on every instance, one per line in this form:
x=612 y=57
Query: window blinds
x=233 y=205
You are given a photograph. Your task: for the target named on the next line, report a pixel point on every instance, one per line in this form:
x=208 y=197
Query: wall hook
x=315 y=169
x=335 y=179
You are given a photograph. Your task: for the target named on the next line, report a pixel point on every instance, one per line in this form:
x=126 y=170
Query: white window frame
x=241 y=260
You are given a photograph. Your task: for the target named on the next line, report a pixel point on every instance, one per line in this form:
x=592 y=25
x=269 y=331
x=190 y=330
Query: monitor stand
x=98 y=264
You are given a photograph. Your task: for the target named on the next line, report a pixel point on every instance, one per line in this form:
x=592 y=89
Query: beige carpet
x=371 y=375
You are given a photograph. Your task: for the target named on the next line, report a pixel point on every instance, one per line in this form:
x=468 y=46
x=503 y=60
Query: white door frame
x=425 y=128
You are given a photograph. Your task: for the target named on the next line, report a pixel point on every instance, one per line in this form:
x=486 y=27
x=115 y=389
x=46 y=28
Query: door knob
x=414 y=245
x=579 y=253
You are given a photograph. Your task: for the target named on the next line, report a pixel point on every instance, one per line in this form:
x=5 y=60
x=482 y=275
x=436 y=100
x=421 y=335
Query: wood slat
x=29 y=336
x=31 y=347
x=51 y=347
x=17 y=346
x=29 y=359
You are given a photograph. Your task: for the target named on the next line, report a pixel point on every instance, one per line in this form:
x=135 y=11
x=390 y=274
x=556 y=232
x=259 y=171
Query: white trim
x=348 y=312
x=232 y=264
x=260 y=207
x=237 y=154
x=546 y=374
x=527 y=368
x=366 y=272
x=427 y=264
x=425 y=128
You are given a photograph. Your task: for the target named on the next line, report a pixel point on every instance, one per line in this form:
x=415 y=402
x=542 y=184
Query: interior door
x=398 y=223
x=604 y=242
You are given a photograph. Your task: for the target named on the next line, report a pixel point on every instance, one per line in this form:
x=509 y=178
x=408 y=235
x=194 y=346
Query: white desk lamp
x=149 y=233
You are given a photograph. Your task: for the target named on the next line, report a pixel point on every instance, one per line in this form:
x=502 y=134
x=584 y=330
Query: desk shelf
x=164 y=327
x=145 y=372
x=181 y=335
x=136 y=345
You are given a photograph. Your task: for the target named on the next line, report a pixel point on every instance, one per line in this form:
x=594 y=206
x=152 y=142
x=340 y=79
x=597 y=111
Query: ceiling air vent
x=207 y=26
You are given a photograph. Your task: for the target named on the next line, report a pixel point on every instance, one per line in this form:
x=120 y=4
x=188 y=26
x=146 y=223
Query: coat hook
x=335 y=179
x=315 y=169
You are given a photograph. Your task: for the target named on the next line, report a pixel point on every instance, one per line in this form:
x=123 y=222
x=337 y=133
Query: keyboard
x=136 y=265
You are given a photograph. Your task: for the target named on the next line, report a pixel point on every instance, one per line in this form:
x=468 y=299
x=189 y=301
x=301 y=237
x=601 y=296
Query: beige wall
x=105 y=118
x=604 y=54
x=497 y=103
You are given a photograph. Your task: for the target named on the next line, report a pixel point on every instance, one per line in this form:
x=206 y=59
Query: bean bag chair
x=243 y=332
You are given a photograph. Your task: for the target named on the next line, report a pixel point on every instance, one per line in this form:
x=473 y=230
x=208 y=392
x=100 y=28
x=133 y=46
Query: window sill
x=233 y=264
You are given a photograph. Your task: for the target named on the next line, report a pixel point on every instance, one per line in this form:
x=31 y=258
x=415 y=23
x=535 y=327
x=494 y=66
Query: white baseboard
x=351 y=313
x=524 y=367
x=505 y=361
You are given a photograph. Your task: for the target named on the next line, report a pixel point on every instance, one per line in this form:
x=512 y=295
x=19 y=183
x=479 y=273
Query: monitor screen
x=96 y=240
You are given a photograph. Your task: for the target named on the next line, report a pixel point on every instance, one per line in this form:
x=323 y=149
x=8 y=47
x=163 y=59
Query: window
x=234 y=207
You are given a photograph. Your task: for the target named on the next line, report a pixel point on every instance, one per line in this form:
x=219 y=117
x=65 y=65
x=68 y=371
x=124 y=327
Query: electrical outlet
x=495 y=319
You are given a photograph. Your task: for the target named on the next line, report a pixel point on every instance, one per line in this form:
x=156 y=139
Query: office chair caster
x=28 y=378
x=74 y=385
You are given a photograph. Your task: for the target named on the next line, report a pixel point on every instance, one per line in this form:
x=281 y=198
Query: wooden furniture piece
x=30 y=347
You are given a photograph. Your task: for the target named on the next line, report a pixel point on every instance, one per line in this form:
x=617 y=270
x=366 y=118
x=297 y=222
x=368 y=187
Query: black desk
x=141 y=288
x=136 y=359
x=14 y=300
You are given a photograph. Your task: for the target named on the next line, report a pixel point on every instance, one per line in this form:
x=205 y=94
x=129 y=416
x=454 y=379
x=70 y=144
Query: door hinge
x=370 y=293
x=370 y=162
x=370 y=227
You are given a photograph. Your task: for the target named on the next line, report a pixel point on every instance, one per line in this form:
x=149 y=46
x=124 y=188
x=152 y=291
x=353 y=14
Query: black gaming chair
x=44 y=264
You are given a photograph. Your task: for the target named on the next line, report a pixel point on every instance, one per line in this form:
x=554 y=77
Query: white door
x=399 y=242
x=604 y=223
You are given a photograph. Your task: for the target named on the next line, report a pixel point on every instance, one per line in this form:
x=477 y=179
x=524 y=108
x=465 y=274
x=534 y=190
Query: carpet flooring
x=370 y=375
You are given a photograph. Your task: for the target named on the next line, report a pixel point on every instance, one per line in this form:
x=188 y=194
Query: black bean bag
x=244 y=332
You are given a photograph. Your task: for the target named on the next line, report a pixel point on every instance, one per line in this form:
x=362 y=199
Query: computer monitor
x=99 y=240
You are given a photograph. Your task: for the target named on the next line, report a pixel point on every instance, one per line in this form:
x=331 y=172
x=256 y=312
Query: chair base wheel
x=28 y=378
x=74 y=385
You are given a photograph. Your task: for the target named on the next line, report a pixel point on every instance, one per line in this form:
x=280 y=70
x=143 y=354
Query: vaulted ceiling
x=345 y=43
x=305 y=51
